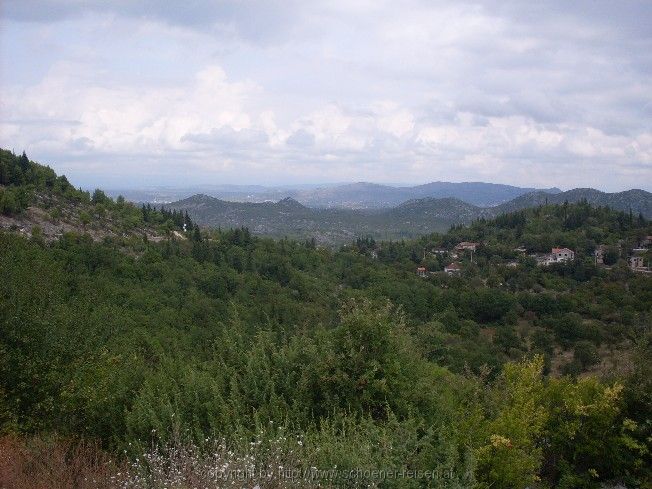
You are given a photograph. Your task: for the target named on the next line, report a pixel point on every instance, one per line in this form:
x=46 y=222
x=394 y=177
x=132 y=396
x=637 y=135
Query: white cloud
x=331 y=91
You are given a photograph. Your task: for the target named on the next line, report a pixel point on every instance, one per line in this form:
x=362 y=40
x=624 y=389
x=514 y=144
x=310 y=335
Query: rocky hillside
x=50 y=216
x=34 y=201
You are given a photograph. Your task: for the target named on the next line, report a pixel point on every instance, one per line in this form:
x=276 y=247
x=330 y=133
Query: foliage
x=223 y=334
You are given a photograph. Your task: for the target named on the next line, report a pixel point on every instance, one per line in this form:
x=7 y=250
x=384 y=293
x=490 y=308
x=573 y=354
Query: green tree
x=512 y=455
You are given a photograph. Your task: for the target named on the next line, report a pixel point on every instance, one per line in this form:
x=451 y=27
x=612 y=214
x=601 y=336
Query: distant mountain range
x=360 y=195
x=288 y=217
x=369 y=195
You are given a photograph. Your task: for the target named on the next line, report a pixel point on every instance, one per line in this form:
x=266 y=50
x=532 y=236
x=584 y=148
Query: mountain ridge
x=636 y=200
x=356 y=195
x=288 y=217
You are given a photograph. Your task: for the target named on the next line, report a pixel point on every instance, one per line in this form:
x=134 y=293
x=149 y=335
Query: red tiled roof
x=560 y=250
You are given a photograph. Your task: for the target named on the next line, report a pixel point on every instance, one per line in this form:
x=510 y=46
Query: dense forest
x=215 y=347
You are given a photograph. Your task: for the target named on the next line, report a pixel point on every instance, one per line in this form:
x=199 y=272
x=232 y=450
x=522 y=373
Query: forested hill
x=635 y=200
x=245 y=352
x=408 y=220
x=289 y=218
x=365 y=195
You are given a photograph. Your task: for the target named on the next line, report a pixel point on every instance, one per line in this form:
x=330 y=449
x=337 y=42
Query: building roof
x=453 y=266
x=421 y=269
x=561 y=250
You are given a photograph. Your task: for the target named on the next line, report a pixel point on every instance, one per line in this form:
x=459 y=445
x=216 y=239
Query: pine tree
x=23 y=162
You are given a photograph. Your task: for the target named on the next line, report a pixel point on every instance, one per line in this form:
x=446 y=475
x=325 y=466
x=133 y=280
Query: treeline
x=19 y=177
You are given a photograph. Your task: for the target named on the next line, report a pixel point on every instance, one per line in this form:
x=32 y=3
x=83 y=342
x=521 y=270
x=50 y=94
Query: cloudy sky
x=131 y=93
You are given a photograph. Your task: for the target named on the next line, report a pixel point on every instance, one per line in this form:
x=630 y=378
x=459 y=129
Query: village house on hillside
x=422 y=272
x=636 y=261
x=556 y=255
x=562 y=254
x=598 y=254
x=601 y=252
x=453 y=268
x=467 y=245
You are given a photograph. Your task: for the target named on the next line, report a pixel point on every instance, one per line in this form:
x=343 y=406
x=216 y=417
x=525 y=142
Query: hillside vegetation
x=34 y=201
x=217 y=349
x=409 y=219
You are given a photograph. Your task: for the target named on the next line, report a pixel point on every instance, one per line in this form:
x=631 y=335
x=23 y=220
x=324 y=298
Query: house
x=438 y=251
x=512 y=264
x=520 y=249
x=467 y=245
x=646 y=241
x=422 y=272
x=453 y=268
x=598 y=254
x=562 y=254
x=636 y=261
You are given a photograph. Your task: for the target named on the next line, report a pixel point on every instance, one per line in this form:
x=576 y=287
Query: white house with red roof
x=453 y=268
x=562 y=254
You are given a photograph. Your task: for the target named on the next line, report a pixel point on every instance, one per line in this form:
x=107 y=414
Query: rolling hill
x=361 y=195
x=635 y=200
x=365 y=195
x=415 y=217
x=288 y=217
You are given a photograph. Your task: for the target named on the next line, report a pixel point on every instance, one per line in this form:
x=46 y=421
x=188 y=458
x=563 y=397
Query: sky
x=128 y=93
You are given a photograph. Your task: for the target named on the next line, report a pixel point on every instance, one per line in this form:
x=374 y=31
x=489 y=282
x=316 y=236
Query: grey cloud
x=538 y=106
x=227 y=137
x=43 y=122
x=301 y=138
x=82 y=144
x=252 y=20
